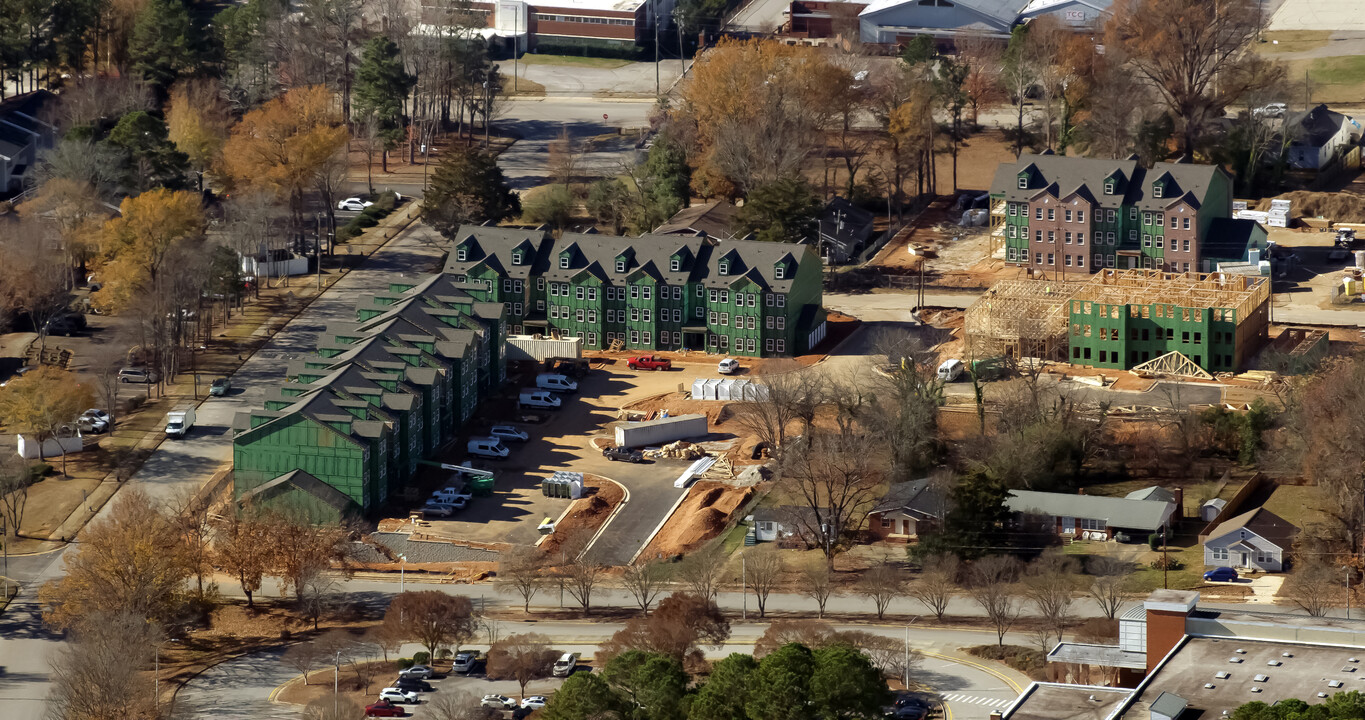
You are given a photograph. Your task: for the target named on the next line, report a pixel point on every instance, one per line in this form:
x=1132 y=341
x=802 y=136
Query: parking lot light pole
x=744 y=587
x=336 y=684
x=1347 y=568
x=402 y=571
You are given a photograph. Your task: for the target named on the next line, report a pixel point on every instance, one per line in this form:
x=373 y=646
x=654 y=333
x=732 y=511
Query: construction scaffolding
x=1020 y=318
x=1240 y=293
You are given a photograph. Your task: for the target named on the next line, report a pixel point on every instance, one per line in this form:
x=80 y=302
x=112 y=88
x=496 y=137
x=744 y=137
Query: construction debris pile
x=680 y=450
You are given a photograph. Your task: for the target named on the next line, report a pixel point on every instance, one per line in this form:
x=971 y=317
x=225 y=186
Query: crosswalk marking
x=976 y=700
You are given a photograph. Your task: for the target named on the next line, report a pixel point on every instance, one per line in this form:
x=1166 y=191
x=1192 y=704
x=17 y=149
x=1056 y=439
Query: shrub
x=444 y=654
x=1026 y=660
x=37 y=471
x=421 y=658
x=1154 y=541
x=404 y=663
x=386 y=202
x=1168 y=563
x=373 y=212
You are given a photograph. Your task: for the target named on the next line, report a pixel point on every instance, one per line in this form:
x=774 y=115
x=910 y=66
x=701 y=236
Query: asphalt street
x=537 y=121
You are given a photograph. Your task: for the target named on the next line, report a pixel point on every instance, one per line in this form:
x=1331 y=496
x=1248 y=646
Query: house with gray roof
x=907 y=509
x=653 y=292
x=1255 y=540
x=1092 y=515
x=1318 y=136
x=717 y=219
x=1061 y=215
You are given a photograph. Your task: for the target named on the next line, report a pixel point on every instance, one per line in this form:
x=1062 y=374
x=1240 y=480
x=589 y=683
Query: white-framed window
x=1080 y=261
x=611 y=315
x=768 y=322
x=1037 y=258
x=1109 y=261
x=645 y=292
x=634 y=292
x=580 y=292
x=1219 y=553
x=1013 y=209
x=1023 y=182
x=644 y=337
x=781 y=322
x=1175 y=222
x=518 y=286
x=1146 y=218
x=634 y=337
x=753 y=322
x=711 y=340
x=724 y=267
x=1263 y=556
x=1068 y=214
x=768 y=299
x=724 y=342
x=675 y=265
x=1157 y=189
x=1146 y=240
x=725 y=318
x=1109 y=238
x=516 y=308
x=578 y=315
x=1052 y=213
x=677 y=292
x=725 y=296
x=1186 y=245
x=1099 y=260
x=768 y=345
x=699 y=290
x=516 y=257
x=1132 y=213
x=1013 y=231
x=711 y=296
x=620 y=266
x=1147 y=262
x=781 y=300
x=1108 y=187
x=540 y=304
x=1132 y=235
x=1037 y=235
x=1050 y=259
x=1113 y=216
x=1011 y=254
x=1080 y=216
x=1067 y=261
x=1038 y=213
x=635 y=314
x=1186 y=224
x=592 y=293
x=563 y=262
x=592 y=316
x=677 y=315
x=779 y=271
x=592 y=339
x=1068 y=237
x=644 y=315
x=1080 y=238
x=461 y=255
x=700 y=311
x=1052 y=236
x=1160 y=240
x=1089 y=524
x=781 y=345
x=712 y=318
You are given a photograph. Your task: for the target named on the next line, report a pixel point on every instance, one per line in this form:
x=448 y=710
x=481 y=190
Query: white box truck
x=179 y=421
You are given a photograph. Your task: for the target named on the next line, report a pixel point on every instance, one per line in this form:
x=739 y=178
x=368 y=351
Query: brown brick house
x=906 y=510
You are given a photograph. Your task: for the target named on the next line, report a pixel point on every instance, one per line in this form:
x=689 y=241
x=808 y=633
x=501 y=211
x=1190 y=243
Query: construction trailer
x=1125 y=318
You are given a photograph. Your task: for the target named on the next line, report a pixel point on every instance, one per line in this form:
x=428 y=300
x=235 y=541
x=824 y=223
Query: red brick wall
x=1081 y=255
x=586 y=30
x=1164 y=630
x=1176 y=238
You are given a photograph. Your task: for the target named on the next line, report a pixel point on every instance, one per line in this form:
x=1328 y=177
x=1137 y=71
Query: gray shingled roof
x=1264 y=523
x=1116 y=512
x=493 y=246
x=304 y=481
x=717 y=219
x=650 y=254
x=1063 y=175
x=1314 y=127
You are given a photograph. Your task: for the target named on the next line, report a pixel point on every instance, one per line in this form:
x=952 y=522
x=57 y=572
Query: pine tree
x=381 y=89
x=468 y=187
x=160 y=48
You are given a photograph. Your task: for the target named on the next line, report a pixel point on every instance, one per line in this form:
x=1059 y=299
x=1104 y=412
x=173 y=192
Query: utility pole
x=1347 y=568
x=744 y=587
x=516 y=44
x=655 y=13
x=317 y=247
x=336 y=684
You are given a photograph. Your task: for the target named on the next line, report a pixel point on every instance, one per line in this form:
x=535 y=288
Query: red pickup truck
x=649 y=362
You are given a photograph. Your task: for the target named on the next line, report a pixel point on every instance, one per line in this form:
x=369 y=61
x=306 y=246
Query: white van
x=539 y=399
x=556 y=383
x=488 y=448
x=950 y=370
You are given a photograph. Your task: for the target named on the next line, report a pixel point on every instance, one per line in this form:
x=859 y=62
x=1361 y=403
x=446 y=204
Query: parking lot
x=564 y=442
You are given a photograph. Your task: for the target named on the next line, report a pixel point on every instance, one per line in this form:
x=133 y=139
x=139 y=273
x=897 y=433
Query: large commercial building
x=1186 y=323
x=347 y=429
x=1067 y=216
x=654 y=292
x=1175 y=660
x=549 y=25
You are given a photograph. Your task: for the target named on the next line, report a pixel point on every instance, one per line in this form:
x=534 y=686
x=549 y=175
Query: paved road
x=538 y=121
x=636 y=78
x=25 y=647
x=758 y=16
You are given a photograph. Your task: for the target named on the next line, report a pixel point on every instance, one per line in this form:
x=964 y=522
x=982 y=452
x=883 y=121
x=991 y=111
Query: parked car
x=353 y=203
x=616 y=453
x=465 y=662
x=728 y=366
x=66 y=325
x=649 y=362
x=94 y=420
x=534 y=702
x=398 y=695
x=433 y=508
x=556 y=383
x=451 y=496
x=18 y=374
x=137 y=375
x=498 y=702
x=422 y=672
x=220 y=387
x=384 y=708
x=1221 y=574
x=508 y=432
x=564 y=666
x=539 y=399
x=909 y=708
x=413 y=684
x=488 y=447
x=1271 y=110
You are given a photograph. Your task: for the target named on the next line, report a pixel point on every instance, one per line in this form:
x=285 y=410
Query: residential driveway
x=1264 y=588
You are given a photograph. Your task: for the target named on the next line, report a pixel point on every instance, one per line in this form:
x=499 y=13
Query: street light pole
x=336 y=684
x=744 y=587
x=1347 y=568
x=402 y=571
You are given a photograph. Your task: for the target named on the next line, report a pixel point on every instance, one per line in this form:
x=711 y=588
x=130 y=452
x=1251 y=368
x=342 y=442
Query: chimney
x=1179 y=503
x=1166 y=614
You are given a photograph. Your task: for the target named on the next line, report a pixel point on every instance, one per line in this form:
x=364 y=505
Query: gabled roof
x=1116 y=512
x=597 y=255
x=1229 y=238
x=1261 y=522
x=1065 y=175
x=493 y=246
x=717 y=219
x=302 y=481
x=1151 y=493
x=1314 y=127
x=918 y=497
x=844 y=222
x=997 y=15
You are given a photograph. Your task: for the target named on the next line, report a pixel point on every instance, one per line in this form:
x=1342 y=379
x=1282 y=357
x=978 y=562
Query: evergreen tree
x=846 y=684
x=150 y=159
x=583 y=696
x=726 y=692
x=161 y=42
x=381 y=89
x=783 y=210
x=468 y=187
x=780 y=688
x=655 y=685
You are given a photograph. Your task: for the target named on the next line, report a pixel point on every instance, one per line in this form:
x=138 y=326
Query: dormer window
x=675 y=265
x=516 y=258
x=724 y=267
x=461 y=254
x=779 y=272
x=1023 y=182
x=620 y=266
x=1158 y=189
x=1108 y=187
x=564 y=262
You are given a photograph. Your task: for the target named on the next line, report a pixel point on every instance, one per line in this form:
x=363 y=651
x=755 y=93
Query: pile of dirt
x=679 y=403
x=1336 y=206
x=704 y=513
x=587 y=513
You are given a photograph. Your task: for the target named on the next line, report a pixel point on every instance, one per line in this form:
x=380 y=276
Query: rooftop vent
x=1222 y=674
x=1240 y=651
x=1352 y=660
x=1092 y=699
x=1255 y=689
x=1208 y=686
x=1287 y=654
x=1262 y=678
x=1234 y=660
x=1348 y=668
x=1274 y=663
x=1334 y=683
x=1322 y=695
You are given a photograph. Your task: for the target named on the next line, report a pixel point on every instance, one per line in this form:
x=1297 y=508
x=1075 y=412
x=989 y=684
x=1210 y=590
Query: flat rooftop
x=1051 y=701
x=1255 y=670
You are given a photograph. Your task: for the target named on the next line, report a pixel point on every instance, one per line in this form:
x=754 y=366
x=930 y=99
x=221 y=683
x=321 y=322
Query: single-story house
x=907 y=509
x=717 y=219
x=774 y=523
x=1257 y=540
x=1318 y=135
x=1093 y=516
x=845 y=230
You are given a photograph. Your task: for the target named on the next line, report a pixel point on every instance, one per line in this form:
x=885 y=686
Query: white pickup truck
x=179 y=421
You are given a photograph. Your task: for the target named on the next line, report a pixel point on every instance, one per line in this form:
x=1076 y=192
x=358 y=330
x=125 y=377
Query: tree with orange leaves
x=135 y=246
x=1193 y=52
x=40 y=402
x=282 y=146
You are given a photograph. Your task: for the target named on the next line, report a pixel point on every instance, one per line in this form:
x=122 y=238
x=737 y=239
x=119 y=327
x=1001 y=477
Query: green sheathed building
x=380 y=394
x=654 y=292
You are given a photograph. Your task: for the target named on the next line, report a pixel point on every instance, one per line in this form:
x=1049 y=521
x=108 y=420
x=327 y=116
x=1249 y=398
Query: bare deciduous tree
x=99 y=672
x=835 y=477
x=882 y=583
x=992 y=587
x=15 y=480
x=581 y=573
x=1049 y=585
x=303 y=657
x=1108 y=583
x=817 y=583
x=1315 y=588
x=934 y=586
x=521 y=571
x=700 y=571
x=459 y=705
x=645 y=582
x=522 y=658
x=762 y=567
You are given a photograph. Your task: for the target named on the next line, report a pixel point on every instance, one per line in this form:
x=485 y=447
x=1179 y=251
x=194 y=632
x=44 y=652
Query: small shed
x=1210 y=509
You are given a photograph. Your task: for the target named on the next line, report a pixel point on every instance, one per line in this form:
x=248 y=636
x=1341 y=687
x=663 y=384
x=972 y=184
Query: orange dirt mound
x=704 y=513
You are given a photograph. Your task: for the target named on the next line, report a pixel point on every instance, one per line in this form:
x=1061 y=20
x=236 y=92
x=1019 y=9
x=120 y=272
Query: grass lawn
x=576 y=60
x=1287 y=41
x=1146 y=578
x=523 y=87
x=1298 y=504
x=1333 y=79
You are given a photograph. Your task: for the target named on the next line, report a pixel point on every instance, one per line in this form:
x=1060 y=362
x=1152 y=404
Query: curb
x=983 y=668
x=624 y=501
x=661 y=524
